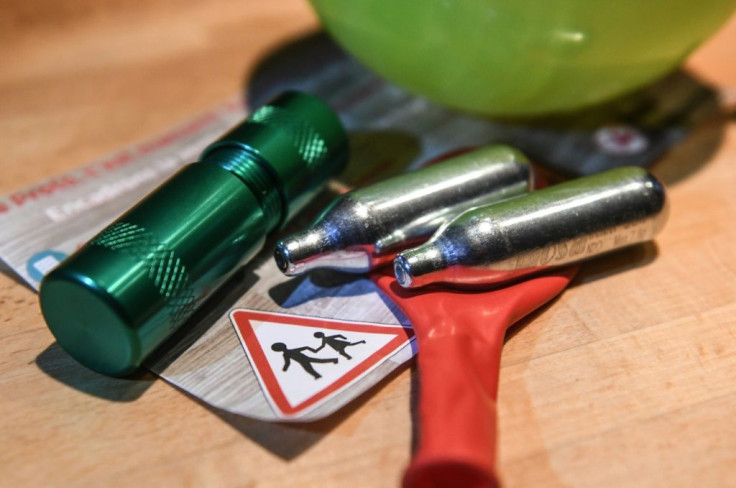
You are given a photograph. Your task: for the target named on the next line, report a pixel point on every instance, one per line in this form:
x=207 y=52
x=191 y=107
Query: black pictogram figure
x=297 y=355
x=338 y=342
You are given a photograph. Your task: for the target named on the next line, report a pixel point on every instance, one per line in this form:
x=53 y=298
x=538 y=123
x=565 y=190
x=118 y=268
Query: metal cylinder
x=558 y=225
x=365 y=228
x=121 y=295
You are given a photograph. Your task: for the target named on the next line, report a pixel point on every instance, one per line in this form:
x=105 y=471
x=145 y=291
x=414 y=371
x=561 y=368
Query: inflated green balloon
x=521 y=57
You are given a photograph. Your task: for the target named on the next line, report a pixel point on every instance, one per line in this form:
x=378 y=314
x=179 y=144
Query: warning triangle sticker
x=301 y=362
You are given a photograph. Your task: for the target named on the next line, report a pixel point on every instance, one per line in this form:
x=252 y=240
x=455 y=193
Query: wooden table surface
x=628 y=380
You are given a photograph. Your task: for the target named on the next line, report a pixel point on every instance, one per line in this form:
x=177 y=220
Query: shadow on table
x=616 y=262
x=694 y=153
x=289 y=440
x=57 y=364
x=7 y=271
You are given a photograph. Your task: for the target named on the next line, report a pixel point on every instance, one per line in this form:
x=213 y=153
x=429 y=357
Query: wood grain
x=626 y=380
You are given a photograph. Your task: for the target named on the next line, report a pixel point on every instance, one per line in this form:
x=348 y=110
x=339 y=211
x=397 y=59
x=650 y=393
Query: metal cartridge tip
x=420 y=266
x=283 y=259
x=402 y=270
x=295 y=254
x=317 y=248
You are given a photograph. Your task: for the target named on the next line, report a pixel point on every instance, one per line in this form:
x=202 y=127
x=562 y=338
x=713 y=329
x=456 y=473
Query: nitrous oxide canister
x=365 y=228
x=121 y=295
x=558 y=225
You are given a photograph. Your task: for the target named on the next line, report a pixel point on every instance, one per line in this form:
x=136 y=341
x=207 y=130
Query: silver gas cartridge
x=558 y=225
x=365 y=228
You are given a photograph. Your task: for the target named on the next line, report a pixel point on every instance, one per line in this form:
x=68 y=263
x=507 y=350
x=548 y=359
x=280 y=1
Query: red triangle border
x=241 y=318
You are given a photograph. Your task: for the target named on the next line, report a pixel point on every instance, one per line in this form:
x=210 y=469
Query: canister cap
x=101 y=338
x=296 y=138
x=314 y=132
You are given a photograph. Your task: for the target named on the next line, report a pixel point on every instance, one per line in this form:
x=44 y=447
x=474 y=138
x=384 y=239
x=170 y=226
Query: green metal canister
x=123 y=293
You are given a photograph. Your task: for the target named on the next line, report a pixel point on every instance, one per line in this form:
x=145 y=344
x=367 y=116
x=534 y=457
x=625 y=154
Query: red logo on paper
x=301 y=362
x=621 y=140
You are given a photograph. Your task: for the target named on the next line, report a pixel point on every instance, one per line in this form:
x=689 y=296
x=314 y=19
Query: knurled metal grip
x=310 y=145
x=167 y=272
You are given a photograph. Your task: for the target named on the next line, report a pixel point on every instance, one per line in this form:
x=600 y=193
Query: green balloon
x=518 y=57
